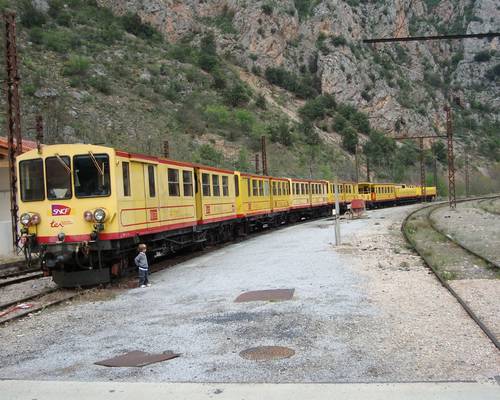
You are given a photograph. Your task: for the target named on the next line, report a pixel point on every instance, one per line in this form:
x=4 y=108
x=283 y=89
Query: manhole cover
x=264 y=353
x=266 y=295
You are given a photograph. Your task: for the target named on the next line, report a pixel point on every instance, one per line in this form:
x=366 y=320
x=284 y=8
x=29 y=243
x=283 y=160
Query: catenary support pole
x=13 y=115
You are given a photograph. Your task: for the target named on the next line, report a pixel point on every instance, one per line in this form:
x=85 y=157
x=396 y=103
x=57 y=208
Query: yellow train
x=84 y=208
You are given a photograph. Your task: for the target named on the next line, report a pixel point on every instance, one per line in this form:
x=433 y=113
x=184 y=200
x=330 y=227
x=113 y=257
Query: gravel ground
x=472 y=226
x=365 y=311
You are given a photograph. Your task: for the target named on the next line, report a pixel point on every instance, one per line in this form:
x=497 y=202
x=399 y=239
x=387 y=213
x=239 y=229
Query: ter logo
x=59 y=210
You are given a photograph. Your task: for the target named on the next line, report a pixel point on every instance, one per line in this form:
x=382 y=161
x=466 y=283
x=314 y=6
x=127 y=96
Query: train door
x=151 y=189
x=132 y=196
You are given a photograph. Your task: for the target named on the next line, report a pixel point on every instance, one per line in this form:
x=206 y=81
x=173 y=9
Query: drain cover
x=136 y=359
x=264 y=353
x=266 y=295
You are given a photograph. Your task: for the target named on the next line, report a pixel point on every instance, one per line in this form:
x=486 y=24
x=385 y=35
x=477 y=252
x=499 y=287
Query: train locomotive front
x=67 y=205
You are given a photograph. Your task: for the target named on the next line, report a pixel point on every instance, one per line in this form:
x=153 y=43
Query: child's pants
x=143 y=277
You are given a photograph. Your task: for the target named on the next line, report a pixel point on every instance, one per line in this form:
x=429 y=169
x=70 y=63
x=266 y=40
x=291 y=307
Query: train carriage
x=300 y=198
x=84 y=208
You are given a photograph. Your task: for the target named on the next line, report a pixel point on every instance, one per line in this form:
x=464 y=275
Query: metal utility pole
x=356 y=158
x=39 y=133
x=257 y=166
x=264 y=156
x=467 y=187
x=337 y=215
x=451 y=160
x=367 y=168
x=422 y=169
x=166 y=149
x=13 y=114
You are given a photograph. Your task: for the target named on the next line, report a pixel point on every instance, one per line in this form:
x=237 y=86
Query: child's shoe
x=148 y=285
x=142 y=286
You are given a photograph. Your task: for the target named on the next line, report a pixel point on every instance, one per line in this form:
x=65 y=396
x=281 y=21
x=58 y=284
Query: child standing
x=142 y=263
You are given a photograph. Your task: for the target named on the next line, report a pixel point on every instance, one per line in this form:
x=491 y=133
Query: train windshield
x=91 y=174
x=32 y=185
x=58 y=173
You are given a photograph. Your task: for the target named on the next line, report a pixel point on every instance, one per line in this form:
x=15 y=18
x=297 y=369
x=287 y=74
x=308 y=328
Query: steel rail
x=445 y=284
x=7 y=282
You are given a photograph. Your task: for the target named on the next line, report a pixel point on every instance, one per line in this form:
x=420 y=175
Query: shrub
x=36 y=35
x=349 y=139
x=210 y=156
x=237 y=95
x=289 y=81
x=101 y=83
x=281 y=133
x=261 y=102
x=30 y=16
x=482 y=56
x=133 y=24
x=59 y=41
x=76 y=65
x=493 y=73
x=244 y=120
x=207 y=62
x=218 y=115
x=360 y=122
x=339 y=123
x=267 y=9
x=318 y=107
x=338 y=41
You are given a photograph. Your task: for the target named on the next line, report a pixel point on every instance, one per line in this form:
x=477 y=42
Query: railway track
x=18 y=277
x=422 y=217
x=488 y=206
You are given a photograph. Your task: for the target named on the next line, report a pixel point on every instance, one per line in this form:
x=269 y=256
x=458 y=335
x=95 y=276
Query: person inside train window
x=58 y=175
x=91 y=174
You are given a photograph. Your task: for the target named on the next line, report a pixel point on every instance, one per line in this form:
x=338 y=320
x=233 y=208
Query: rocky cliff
x=402 y=87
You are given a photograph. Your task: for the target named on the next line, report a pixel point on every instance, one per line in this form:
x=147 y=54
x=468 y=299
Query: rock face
x=400 y=86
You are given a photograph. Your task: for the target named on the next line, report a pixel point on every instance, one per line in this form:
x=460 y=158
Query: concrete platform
x=53 y=390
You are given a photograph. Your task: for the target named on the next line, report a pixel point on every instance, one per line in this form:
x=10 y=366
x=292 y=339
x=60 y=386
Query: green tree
x=349 y=139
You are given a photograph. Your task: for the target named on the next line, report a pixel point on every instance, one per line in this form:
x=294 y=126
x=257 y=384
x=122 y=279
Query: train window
x=255 y=190
x=173 y=182
x=58 y=173
x=281 y=189
x=205 y=184
x=91 y=174
x=261 y=188
x=302 y=188
x=225 y=186
x=151 y=181
x=266 y=188
x=249 y=192
x=274 y=187
x=32 y=183
x=215 y=185
x=126 y=178
x=187 y=183
x=236 y=186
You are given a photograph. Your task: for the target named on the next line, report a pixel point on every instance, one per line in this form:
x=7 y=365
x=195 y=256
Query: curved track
x=427 y=211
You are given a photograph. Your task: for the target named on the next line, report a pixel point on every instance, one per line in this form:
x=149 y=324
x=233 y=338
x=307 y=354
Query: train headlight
x=99 y=215
x=25 y=219
x=61 y=236
x=87 y=216
x=35 y=219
